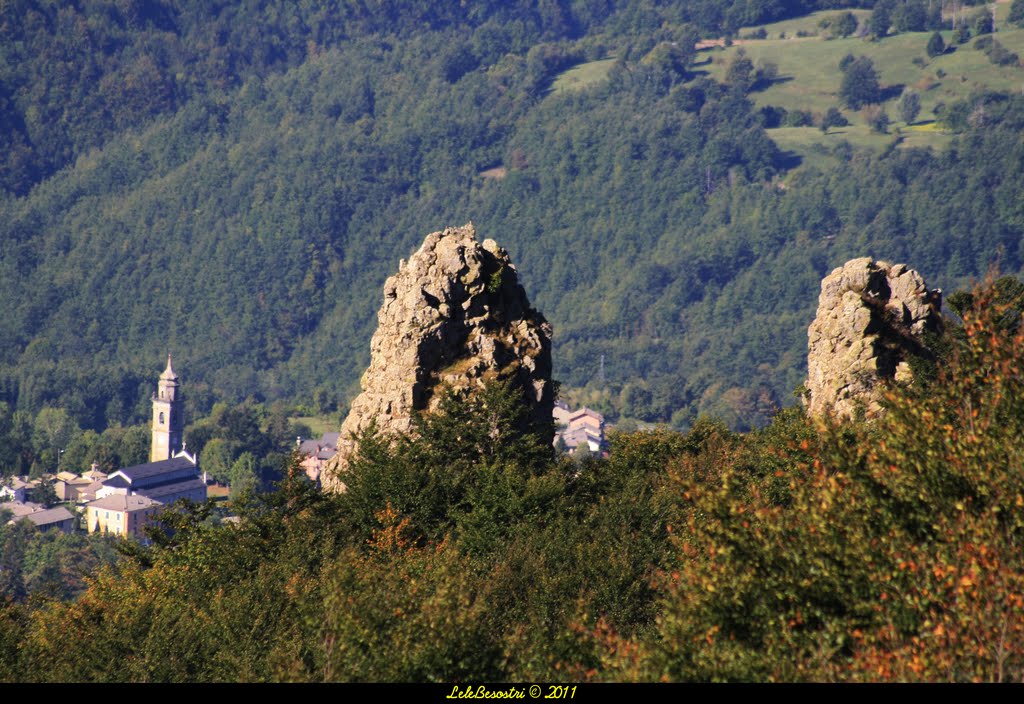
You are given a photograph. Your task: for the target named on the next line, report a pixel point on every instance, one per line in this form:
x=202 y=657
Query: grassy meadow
x=809 y=78
x=581 y=76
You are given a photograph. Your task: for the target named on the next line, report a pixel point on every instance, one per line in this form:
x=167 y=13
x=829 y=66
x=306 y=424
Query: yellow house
x=121 y=514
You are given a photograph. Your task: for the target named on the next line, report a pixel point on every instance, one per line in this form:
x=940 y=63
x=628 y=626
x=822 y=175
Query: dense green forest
x=806 y=550
x=234 y=183
x=245 y=216
x=75 y=74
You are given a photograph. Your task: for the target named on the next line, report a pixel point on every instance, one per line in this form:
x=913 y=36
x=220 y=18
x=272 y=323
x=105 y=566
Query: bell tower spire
x=168 y=422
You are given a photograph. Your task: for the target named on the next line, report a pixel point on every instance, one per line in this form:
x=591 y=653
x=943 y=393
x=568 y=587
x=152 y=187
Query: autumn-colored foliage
x=810 y=550
x=891 y=553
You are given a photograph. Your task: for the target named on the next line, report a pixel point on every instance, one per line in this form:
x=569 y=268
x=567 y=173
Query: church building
x=133 y=496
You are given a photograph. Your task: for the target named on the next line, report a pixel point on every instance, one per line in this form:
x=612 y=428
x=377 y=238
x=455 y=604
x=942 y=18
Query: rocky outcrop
x=872 y=317
x=454 y=317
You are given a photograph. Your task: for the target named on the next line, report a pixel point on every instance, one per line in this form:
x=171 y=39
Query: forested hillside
x=235 y=185
x=809 y=550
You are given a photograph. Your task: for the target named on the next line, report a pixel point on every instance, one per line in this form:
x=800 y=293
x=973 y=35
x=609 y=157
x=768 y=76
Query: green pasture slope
x=581 y=76
x=809 y=78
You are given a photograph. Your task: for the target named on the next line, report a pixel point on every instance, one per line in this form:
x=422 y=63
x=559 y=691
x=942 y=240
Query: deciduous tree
x=860 y=85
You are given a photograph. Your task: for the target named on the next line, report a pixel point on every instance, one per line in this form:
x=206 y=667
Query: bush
x=765 y=74
x=876 y=118
x=841 y=25
x=798 y=118
x=982 y=22
x=773 y=116
x=1016 y=15
x=1001 y=56
x=909 y=106
x=833 y=118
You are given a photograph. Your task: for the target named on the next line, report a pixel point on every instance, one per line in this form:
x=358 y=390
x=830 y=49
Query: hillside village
x=124 y=502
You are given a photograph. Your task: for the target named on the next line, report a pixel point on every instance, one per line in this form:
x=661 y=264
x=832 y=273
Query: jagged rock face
x=871 y=319
x=454 y=316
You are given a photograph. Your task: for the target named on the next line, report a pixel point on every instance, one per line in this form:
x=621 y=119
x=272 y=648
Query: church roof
x=116 y=482
x=158 y=493
x=169 y=374
x=153 y=469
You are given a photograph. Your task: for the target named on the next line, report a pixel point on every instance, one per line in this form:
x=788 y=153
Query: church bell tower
x=168 y=422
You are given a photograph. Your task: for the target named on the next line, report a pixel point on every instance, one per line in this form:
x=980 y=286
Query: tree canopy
x=860 y=85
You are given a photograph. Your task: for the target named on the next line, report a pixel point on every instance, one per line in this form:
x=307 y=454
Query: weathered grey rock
x=871 y=319
x=454 y=316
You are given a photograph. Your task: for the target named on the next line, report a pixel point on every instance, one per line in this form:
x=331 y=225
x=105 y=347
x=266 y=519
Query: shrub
x=1001 y=56
x=982 y=22
x=841 y=25
x=833 y=118
x=798 y=118
x=1016 y=15
x=909 y=106
x=876 y=118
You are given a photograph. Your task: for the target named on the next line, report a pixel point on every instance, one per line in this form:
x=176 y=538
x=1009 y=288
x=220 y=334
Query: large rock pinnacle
x=871 y=319
x=454 y=317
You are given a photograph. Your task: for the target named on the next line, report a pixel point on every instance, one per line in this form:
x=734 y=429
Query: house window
x=161 y=417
